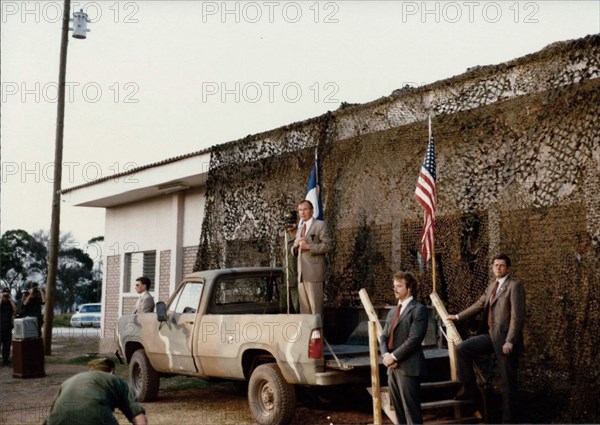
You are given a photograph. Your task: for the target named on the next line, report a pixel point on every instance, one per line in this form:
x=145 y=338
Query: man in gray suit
x=503 y=306
x=312 y=243
x=145 y=303
x=400 y=345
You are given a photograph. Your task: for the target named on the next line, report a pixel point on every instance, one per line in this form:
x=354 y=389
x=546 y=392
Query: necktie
x=492 y=298
x=394 y=323
x=303 y=233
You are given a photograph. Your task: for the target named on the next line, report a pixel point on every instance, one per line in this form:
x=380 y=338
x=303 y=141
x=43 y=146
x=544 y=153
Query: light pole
x=79 y=31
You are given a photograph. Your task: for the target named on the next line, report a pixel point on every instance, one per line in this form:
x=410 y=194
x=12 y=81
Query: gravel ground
x=181 y=400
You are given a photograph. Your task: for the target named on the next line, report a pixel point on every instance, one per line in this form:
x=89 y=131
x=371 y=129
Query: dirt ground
x=180 y=401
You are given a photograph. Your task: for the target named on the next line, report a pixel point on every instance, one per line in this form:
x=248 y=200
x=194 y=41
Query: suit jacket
x=408 y=337
x=291 y=269
x=508 y=312
x=144 y=304
x=312 y=265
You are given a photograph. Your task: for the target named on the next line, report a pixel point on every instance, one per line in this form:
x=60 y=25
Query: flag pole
x=317 y=168
x=433 y=267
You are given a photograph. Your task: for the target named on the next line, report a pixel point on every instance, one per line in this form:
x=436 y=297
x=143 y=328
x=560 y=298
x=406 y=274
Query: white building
x=154 y=217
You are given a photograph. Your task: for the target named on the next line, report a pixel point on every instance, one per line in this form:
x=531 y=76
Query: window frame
x=150 y=272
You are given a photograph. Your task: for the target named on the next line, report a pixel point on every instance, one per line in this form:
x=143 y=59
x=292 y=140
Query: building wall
x=110 y=294
x=189 y=258
x=192 y=217
x=164 y=276
x=162 y=224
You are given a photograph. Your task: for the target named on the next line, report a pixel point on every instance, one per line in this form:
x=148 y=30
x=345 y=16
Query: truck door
x=178 y=333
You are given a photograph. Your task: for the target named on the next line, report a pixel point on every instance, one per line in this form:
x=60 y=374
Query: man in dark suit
x=400 y=345
x=503 y=306
x=288 y=295
x=312 y=243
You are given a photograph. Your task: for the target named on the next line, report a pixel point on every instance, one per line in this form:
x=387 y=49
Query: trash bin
x=28 y=351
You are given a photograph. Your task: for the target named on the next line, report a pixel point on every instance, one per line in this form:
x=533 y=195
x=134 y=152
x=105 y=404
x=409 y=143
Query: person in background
x=21 y=307
x=145 y=303
x=503 y=306
x=290 y=271
x=8 y=309
x=89 y=398
x=33 y=305
x=401 y=347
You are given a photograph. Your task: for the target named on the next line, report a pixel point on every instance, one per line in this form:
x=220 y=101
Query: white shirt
x=501 y=282
x=307 y=226
x=404 y=304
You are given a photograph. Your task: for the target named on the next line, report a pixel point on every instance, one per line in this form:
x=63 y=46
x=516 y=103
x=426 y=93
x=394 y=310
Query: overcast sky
x=156 y=79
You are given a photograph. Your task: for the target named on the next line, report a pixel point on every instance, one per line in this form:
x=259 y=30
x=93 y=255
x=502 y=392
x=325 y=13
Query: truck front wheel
x=272 y=400
x=143 y=379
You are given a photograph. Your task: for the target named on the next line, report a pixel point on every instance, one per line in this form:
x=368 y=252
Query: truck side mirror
x=161 y=311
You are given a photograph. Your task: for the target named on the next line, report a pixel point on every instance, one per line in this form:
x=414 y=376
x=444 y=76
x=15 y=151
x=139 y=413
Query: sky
x=157 y=79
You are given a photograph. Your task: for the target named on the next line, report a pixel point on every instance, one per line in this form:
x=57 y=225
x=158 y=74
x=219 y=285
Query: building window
x=139 y=264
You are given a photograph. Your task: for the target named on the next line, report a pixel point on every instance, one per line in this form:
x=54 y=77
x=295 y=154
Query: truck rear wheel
x=143 y=379
x=272 y=400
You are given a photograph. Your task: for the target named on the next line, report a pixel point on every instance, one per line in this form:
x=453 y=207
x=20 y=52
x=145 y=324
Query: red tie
x=492 y=298
x=394 y=323
x=303 y=233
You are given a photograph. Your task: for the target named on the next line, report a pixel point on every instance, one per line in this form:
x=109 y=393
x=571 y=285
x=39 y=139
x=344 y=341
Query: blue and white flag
x=313 y=191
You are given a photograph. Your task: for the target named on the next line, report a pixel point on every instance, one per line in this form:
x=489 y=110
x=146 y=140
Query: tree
x=74 y=275
x=22 y=258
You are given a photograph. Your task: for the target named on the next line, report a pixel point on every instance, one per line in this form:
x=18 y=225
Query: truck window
x=247 y=289
x=187 y=299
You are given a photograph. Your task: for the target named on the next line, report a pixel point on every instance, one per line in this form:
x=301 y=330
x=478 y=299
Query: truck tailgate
x=357 y=356
x=347 y=356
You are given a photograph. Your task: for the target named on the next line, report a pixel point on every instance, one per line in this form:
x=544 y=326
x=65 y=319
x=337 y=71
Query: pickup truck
x=228 y=324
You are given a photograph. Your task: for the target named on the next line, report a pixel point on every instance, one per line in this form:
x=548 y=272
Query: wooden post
x=453 y=337
x=374 y=355
x=364 y=297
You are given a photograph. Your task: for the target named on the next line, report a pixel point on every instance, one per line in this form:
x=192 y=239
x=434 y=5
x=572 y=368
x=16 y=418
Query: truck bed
x=357 y=356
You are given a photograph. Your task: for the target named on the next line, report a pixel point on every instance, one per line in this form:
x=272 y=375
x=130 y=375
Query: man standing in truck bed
x=288 y=295
x=311 y=245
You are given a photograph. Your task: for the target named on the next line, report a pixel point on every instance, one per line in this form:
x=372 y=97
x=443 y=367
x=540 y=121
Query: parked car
x=88 y=315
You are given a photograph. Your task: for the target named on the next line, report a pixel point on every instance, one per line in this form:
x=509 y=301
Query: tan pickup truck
x=228 y=324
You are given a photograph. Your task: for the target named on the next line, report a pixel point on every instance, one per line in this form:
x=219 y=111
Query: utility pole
x=79 y=31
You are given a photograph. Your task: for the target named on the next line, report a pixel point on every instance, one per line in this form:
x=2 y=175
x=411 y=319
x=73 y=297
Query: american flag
x=425 y=195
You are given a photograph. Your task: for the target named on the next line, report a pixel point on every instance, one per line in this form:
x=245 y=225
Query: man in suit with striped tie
x=310 y=246
x=503 y=306
x=400 y=345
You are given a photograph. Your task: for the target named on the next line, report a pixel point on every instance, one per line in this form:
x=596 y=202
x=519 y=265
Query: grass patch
x=62 y=320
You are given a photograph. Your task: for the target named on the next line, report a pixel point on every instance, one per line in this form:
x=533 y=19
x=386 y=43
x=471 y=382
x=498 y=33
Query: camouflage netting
x=518 y=160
